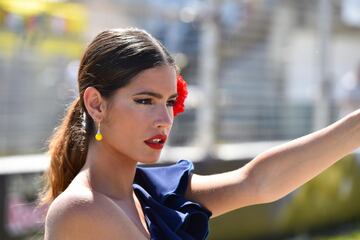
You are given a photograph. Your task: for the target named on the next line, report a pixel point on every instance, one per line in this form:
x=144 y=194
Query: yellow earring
x=98 y=135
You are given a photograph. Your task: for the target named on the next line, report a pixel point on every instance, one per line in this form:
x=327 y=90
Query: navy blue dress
x=168 y=214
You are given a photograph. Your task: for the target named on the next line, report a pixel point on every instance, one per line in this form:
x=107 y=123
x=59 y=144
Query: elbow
x=262 y=191
x=266 y=197
x=269 y=198
x=267 y=194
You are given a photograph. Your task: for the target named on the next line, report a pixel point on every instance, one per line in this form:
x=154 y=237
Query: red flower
x=182 y=92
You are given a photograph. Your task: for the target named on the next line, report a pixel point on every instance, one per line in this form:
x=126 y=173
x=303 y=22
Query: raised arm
x=278 y=171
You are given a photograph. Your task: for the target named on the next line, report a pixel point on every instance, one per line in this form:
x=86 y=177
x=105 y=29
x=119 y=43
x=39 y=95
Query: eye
x=171 y=103
x=146 y=101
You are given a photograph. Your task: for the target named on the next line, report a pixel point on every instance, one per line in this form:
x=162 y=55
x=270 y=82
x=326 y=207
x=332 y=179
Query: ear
x=94 y=103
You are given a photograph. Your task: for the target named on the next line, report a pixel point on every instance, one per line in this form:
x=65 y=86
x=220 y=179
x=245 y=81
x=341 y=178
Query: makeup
x=156 y=142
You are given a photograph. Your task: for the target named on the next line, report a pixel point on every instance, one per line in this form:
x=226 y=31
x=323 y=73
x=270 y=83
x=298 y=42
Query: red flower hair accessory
x=182 y=92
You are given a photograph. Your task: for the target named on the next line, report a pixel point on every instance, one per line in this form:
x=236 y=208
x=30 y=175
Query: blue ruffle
x=168 y=214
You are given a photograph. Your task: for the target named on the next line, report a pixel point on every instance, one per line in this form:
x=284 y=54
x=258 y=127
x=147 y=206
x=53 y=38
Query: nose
x=164 y=118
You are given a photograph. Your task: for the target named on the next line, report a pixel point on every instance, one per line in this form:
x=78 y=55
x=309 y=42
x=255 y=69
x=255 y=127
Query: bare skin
x=104 y=184
x=278 y=171
x=100 y=202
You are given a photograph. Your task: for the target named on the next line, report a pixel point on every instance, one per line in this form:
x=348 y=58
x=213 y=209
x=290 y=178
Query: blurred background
x=260 y=72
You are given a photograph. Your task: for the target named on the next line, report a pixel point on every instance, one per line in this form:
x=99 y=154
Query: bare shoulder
x=85 y=215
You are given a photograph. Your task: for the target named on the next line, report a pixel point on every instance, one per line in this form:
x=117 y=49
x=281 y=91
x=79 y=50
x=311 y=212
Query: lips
x=156 y=142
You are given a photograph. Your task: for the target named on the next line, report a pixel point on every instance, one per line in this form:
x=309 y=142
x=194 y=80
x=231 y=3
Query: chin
x=150 y=160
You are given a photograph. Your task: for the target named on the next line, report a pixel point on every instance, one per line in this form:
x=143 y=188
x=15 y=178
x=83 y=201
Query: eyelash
x=171 y=103
x=148 y=101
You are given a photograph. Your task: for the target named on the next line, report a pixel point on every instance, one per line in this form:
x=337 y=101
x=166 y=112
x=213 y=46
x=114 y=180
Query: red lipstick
x=156 y=142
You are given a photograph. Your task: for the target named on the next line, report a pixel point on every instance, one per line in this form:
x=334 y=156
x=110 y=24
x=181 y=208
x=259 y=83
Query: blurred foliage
x=330 y=199
x=352 y=235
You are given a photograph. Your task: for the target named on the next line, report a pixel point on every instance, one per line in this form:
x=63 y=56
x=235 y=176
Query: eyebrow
x=154 y=94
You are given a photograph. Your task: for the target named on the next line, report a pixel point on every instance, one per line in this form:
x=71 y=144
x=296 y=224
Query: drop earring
x=98 y=135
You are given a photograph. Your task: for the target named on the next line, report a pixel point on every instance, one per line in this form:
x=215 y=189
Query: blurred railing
x=331 y=198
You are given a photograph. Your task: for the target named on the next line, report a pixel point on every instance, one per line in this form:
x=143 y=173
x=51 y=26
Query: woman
x=129 y=92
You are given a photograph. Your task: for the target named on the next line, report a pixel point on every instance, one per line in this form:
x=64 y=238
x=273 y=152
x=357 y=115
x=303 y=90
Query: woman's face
x=140 y=117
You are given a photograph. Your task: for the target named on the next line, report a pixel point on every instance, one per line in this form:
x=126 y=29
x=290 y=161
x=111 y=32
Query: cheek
x=128 y=118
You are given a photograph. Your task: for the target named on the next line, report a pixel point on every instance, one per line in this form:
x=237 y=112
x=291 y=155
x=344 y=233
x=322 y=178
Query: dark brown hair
x=110 y=61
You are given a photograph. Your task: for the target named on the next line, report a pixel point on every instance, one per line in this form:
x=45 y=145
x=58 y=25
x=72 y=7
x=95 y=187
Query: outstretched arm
x=278 y=171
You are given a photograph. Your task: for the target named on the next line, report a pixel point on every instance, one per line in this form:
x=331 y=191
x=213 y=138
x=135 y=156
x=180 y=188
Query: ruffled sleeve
x=168 y=214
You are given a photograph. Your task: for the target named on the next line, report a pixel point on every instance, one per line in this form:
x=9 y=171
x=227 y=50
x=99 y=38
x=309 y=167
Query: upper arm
x=224 y=192
x=68 y=219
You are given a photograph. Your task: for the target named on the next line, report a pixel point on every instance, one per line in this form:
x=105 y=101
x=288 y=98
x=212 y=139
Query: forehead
x=160 y=78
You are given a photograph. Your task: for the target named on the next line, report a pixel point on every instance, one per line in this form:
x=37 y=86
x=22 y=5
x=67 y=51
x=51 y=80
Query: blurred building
x=266 y=54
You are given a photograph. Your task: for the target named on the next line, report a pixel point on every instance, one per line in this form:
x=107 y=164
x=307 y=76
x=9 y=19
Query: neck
x=109 y=172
